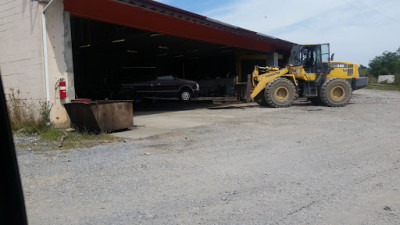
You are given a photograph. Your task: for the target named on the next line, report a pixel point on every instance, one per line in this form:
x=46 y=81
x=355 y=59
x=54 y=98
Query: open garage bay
x=107 y=55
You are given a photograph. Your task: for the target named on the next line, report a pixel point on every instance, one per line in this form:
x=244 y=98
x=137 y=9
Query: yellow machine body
x=309 y=67
x=343 y=69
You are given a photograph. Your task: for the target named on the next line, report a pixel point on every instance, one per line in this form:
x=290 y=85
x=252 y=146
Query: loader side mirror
x=333 y=54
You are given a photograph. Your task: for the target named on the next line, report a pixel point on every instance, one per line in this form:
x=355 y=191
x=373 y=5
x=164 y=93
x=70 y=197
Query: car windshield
x=166 y=78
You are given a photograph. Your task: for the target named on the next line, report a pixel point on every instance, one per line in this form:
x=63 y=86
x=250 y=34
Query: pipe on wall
x=46 y=60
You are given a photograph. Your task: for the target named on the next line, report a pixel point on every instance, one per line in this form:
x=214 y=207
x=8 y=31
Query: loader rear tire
x=336 y=92
x=279 y=93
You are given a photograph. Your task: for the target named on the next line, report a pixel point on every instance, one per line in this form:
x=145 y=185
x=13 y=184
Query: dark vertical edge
x=12 y=205
x=248 y=88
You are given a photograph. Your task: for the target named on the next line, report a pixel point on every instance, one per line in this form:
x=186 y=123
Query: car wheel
x=185 y=95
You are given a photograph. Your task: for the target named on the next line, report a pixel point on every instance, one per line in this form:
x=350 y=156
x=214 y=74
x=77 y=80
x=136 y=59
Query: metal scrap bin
x=100 y=116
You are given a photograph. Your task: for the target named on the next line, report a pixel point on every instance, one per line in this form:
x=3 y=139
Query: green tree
x=387 y=63
x=364 y=70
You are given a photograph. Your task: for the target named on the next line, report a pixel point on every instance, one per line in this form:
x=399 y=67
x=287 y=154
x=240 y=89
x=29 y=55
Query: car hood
x=186 y=81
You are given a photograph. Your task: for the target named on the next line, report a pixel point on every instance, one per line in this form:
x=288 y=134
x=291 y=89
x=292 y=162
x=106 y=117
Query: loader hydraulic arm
x=260 y=81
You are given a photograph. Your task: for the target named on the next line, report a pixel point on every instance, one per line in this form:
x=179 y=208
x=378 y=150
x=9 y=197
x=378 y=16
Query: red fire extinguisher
x=63 y=88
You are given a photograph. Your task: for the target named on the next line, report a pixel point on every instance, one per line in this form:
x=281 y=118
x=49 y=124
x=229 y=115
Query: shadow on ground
x=156 y=106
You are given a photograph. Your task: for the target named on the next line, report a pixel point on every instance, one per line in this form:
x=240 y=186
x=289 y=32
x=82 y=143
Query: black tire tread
x=260 y=99
x=325 y=93
x=269 y=98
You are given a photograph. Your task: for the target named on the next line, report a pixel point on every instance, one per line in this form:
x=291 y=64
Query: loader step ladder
x=310 y=88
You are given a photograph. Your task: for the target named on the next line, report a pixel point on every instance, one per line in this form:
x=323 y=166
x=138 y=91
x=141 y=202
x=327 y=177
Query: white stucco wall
x=21 y=50
x=22 y=55
x=386 y=78
x=60 y=60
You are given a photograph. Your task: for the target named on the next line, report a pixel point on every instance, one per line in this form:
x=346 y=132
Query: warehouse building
x=94 y=45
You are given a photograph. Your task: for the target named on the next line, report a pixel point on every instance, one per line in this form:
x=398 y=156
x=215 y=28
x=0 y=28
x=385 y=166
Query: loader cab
x=313 y=58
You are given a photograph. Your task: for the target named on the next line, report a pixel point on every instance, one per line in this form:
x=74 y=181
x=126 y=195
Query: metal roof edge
x=197 y=18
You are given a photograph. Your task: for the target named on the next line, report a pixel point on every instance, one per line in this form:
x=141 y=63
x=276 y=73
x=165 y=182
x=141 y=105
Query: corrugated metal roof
x=159 y=17
x=206 y=21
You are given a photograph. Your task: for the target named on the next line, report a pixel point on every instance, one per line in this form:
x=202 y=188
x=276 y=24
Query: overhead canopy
x=160 y=18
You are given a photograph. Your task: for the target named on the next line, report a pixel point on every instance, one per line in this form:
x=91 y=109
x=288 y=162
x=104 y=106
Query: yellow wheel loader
x=311 y=73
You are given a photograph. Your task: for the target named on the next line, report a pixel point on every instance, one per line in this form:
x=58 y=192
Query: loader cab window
x=309 y=58
x=313 y=58
x=325 y=54
x=295 y=58
x=303 y=55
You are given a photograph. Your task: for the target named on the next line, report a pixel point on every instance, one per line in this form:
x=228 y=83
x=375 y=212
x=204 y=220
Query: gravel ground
x=248 y=165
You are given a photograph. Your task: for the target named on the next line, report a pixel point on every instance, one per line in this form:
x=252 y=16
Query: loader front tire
x=279 y=93
x=260 y=99
x=336 y=92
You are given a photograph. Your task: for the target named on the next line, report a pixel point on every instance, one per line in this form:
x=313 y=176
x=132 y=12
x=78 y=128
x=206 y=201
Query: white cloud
x=357 y=30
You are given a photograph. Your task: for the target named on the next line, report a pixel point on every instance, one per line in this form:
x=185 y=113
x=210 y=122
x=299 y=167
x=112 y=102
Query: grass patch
x=83 y=139
x=373 y=84
x=25 y=116
x=33 y=131
x=383 y=87
x=51 y=139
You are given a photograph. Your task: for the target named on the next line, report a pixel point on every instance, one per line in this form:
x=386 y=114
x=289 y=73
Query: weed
x=50 y=134
x=24 y=120
x=24 y=116
x=85 y=139
x=397 y=80
x=49 y=139
x=372 y=79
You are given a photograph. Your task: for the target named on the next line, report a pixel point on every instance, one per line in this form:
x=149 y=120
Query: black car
x=162 y=87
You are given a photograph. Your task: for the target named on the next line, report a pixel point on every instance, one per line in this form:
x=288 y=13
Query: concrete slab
x=151 y=123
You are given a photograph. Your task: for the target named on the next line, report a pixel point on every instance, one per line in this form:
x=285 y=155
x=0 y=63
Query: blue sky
x=358 y=30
